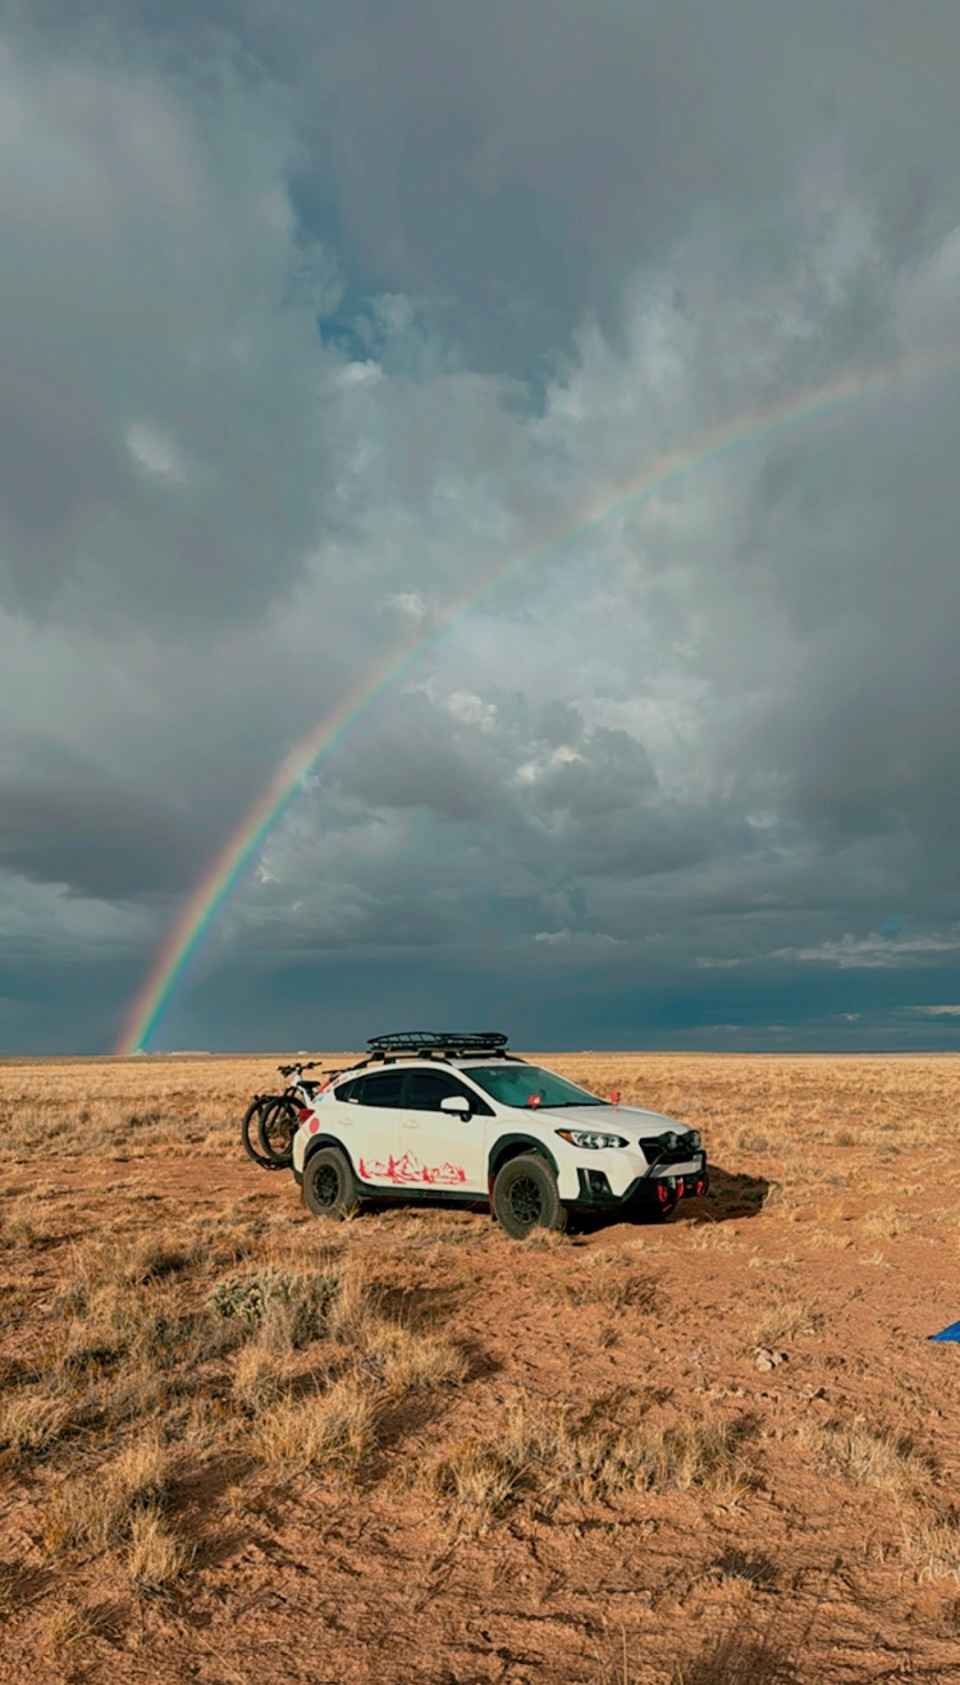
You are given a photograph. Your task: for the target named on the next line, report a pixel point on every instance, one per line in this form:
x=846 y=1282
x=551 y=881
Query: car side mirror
x=458 y=1104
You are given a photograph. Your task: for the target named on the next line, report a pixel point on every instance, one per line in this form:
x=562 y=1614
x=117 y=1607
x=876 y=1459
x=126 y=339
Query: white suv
x=457 y=1117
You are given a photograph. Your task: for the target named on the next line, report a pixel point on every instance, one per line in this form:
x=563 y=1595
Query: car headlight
x=590 y=1138
x=693 y=1140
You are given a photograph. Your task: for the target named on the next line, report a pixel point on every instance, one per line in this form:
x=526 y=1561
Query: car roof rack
x=437 y=1044
x=419 y=1041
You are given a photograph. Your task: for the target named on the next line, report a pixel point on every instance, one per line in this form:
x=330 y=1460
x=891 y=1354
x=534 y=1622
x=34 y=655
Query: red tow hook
x=663 y=1192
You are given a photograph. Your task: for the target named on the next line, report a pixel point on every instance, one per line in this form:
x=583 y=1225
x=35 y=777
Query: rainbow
x=242 y=848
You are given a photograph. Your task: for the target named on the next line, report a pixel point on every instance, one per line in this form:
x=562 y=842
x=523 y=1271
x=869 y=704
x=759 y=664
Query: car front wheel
x=525 y=1197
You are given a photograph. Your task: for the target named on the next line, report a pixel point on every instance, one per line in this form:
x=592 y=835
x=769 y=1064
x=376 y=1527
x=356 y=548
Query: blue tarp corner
x=951 y=1333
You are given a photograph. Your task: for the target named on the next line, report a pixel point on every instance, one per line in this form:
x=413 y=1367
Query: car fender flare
x=318 y=1141
x=511 y=1146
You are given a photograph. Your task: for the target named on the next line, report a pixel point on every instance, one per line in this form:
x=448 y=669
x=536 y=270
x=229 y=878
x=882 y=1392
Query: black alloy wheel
x=329 y=1189
x=525 y=1197
x=526 y=1201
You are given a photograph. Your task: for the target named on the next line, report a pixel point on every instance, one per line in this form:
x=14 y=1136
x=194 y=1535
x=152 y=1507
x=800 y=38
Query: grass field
x=238 y=1444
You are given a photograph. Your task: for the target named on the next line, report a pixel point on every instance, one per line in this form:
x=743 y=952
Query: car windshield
x=512 y=1085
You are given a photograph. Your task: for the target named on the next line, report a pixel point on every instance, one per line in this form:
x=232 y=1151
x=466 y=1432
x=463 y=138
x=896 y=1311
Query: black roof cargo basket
x=452 y=1044
x=433 y=1040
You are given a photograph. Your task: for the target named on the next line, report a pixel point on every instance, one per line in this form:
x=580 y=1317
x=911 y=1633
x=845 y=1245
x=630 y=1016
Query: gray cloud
x=312 y=329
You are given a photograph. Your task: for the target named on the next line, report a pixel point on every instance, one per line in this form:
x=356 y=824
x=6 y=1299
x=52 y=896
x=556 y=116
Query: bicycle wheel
x=250 y=1129
x=275 y=1131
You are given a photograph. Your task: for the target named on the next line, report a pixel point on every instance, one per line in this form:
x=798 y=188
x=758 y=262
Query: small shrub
x=290 y=1310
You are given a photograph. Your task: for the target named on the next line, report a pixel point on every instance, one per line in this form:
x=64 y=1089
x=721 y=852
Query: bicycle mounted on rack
x=271 y=1120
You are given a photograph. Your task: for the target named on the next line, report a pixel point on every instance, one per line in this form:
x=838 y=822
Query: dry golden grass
x=100 y=1509
x=257 y=1377
x=931 y=1546
x=67 y=1626
x=604 y=1278
x=33 y=1421
x=888 y=1224
x=548 y=1453
x=742 y=1658
x=788 y=1103
x=715 y=1237
x=865 y=1455
x=331 y=1429
x=156 y=1555
x=166 y=1341
x=787 y=1317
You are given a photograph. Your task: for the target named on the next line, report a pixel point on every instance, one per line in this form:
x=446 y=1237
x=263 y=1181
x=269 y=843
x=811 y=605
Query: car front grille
x=655 y=1148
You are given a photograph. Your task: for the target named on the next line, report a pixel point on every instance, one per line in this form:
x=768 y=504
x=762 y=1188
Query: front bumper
x=595 y=1192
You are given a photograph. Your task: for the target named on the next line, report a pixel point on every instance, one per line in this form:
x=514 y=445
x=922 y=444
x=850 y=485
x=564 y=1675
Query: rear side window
x=347 y=1090
x=426 y=1089
x=382 y=1089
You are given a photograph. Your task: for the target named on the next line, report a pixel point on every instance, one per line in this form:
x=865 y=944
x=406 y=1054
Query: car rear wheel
x=329 y=1189
x=525 y=1197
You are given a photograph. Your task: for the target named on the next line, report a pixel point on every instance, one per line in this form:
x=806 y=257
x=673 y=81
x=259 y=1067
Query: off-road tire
x=525 y=1197
x=250 y=1130
x=329 y=1188
x=275 y=1131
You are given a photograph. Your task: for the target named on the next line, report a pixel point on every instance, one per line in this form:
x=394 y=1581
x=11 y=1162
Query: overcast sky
x=312 y=318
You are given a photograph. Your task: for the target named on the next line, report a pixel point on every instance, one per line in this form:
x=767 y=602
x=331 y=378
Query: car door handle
x=409 y=1123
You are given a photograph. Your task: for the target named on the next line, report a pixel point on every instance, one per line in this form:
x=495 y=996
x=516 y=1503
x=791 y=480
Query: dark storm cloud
x=513 y=164
x=310 y=321
x=105 y=843
x=156 y=438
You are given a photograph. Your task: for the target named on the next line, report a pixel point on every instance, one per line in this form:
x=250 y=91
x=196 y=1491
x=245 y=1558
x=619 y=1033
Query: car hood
x=614 y=1120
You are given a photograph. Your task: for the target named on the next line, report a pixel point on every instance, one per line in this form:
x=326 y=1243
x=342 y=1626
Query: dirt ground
x=238 y=1444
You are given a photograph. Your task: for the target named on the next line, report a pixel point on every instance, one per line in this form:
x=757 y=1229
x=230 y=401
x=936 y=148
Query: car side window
x=347 y=1090
x=425 y=1089
x=382 y=1089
